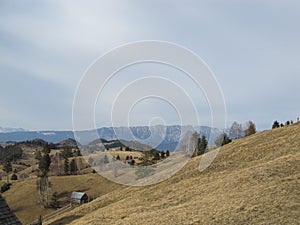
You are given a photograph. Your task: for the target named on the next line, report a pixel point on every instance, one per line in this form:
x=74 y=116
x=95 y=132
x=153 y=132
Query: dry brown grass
x=254 y=180
x=23 y=199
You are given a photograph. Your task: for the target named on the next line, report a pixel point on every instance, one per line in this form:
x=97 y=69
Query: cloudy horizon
x=252 y=47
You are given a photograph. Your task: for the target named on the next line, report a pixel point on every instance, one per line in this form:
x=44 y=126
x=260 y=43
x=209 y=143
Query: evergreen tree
x=38 y=155
x=223 y=139
x=202 y=145
x=226 y=140
x=275 y=124
x=156 y=156
x=66 y=166
x=10 y=153
x=7 y=168
x=43 y=183
x=46 y=148
x=67 y=152
x=167 y=153
x=44 y=164
x=73 y=166
x=14 y=177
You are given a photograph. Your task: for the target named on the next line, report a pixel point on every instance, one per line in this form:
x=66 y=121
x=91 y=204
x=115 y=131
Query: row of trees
x=7 y=168
x=8 y=155
x=47 y=163
x=153 y=156
x=276 y=124
x=237 y=130
x=68 y=167
x=199 y=145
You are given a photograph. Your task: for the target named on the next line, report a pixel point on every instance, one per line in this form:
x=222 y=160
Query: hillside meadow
x=23 y=197
x=254 y=180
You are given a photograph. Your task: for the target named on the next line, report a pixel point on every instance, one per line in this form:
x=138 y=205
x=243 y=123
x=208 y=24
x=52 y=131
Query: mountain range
x=159 y=137
x=10 y=129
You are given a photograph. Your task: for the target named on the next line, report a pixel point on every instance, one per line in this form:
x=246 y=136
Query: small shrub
x=14 y=177
x=275 y=125
x=167 y=153
x=55 y=203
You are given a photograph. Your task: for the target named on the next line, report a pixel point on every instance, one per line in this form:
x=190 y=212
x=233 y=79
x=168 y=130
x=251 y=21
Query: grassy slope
x=254 y=180
x=22 y=197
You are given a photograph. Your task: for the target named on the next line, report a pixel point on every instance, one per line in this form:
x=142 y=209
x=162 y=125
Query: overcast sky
x=252 y=47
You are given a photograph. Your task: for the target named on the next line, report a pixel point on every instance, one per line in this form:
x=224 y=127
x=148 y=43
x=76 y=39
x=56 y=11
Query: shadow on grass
x=65 y=220
x=83 y=190
x=62 y=194
x=16 y=209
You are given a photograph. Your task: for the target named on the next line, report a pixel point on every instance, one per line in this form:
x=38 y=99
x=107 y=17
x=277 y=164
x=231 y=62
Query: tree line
x=276 y=124
x=238 y=130
x=200 y=144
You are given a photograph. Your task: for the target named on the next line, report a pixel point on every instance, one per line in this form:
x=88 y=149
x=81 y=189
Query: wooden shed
x=79 y=197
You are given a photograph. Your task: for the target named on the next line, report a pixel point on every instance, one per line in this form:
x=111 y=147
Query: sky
x=252 y=47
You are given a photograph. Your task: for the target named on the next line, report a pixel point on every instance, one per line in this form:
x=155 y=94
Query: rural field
x=253 y=180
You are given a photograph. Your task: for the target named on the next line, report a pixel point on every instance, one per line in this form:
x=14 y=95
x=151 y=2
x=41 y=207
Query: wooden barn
x=6 y=215
x=79 y=197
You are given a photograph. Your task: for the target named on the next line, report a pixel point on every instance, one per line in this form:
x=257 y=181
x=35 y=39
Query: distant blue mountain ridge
x=159 y=137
